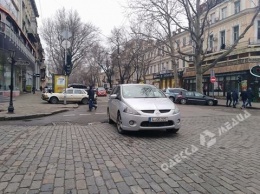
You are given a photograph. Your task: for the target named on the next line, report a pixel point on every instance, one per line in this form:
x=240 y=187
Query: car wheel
x=84 y=101
x=210 y=102
x=172 y=130
x=54 y=100
x=183 y=101
x=172 y=99
x=110 y=121
x=118 y=124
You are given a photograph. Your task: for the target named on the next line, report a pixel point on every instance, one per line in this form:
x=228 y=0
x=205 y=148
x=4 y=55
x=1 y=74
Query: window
x=235 y=33
x=183 y=63
x=69 y=91
x=184 y=41
x=78 y=92
x=211 y=42
x=222 y=39
x=237 y=7
x=212 y=17
x=224 y=13
x=258 y=29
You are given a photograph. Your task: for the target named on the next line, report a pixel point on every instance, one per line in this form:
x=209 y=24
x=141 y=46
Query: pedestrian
x=33 y=90
x=243 y=96
x=91 y=98
x=229 y=98
x=250 y=97
x=234 y=98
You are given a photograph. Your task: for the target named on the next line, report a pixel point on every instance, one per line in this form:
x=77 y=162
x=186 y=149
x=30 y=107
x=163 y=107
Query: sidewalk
x=29 y=105
x=255 y=105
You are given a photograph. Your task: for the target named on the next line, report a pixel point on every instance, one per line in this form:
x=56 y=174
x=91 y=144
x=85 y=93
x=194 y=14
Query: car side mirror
x=204 y=96
x=113 y=96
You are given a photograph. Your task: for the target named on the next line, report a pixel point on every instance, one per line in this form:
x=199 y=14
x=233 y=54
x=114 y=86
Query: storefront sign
x=255 y=71
x=164 y=75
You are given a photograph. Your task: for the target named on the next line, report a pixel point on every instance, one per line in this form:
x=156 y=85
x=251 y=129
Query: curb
x=31 y=116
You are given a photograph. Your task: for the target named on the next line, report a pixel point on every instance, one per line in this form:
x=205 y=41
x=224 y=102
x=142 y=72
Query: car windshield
x=141 y=91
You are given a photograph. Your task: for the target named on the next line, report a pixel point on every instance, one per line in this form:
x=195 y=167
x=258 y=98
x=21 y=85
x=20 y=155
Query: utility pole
x=65 y=44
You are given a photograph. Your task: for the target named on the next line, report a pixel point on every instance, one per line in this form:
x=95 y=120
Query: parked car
x=75 y=85
x=192 y=97
x=135 y=107
x=72 y=95
x=100 y=91
x=173 y=92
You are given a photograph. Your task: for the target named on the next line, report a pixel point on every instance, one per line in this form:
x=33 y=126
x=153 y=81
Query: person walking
x=243 y=96
x=250 y=97
x=229 y=98
x=234 y=98
x=91 y=97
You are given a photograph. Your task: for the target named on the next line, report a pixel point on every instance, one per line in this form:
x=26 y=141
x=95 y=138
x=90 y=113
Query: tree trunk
x=199 y=77
x=176 y=78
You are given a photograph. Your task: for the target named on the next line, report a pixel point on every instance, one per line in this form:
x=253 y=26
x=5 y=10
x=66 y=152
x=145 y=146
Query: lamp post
x=11 y=107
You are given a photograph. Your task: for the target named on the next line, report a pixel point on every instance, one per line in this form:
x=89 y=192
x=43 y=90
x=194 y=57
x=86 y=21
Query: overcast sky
x=104 y=14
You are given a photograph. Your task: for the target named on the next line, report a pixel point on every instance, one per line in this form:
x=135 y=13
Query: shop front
x=164 y=80
x=226 y=82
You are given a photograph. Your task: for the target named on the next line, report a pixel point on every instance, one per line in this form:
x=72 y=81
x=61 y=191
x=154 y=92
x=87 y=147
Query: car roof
x=136 y=85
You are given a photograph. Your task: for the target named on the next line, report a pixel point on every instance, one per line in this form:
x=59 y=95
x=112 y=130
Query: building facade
x=228 y=19
x=18 y=33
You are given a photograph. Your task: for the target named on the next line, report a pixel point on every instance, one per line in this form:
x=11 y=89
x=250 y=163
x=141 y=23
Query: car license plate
x=158 y=119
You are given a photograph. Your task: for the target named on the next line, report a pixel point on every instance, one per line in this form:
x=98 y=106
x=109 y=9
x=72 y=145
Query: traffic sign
x=213 y=79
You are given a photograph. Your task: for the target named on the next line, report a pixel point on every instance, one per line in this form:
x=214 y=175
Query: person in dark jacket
x=234 y=98
x=229 y=98
x=243 y=96
x=250 y=97
x=91 y=96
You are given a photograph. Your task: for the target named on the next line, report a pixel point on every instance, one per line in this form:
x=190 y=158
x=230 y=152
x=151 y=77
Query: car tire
x=110 y=121
x=172 y=130
x=210 y=103
x=84 y=101
x=171 y=98
x=118 y=124
x=183 y=101
x=54 y=100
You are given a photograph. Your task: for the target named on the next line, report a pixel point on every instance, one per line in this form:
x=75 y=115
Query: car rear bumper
x=141 y=122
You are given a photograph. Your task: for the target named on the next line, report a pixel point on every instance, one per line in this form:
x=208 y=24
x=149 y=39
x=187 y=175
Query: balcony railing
x=4 y=28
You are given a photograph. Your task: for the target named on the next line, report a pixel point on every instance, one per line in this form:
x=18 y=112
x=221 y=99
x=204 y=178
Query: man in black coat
x=250 y=97
x=243 y=96
x=91 y=97
x=229 y=98
x=234 y=98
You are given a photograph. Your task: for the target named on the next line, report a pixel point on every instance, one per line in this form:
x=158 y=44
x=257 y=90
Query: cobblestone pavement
x=96 y=159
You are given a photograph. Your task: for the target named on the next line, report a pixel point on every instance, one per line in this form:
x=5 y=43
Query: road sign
x=213 y=79
x=36 y=75
x=66 y=34
x=65 y=44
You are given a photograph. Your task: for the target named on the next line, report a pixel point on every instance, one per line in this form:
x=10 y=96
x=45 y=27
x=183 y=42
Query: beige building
x=228 y=19
x=18 y=32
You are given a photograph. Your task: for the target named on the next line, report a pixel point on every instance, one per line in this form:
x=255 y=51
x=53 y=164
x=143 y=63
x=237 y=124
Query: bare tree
x=102 y=58
x=122 y=55
x=84 y=36
x=158 y=18
x=199 y=27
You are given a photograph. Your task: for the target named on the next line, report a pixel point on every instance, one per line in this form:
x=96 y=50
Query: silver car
x=136 y=107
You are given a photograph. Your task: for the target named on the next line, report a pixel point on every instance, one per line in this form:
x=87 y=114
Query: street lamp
x=11 y=107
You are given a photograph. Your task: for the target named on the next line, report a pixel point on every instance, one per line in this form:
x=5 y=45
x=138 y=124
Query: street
x=215 y=151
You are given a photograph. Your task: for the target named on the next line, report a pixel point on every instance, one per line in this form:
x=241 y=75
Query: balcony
x=16 y=40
